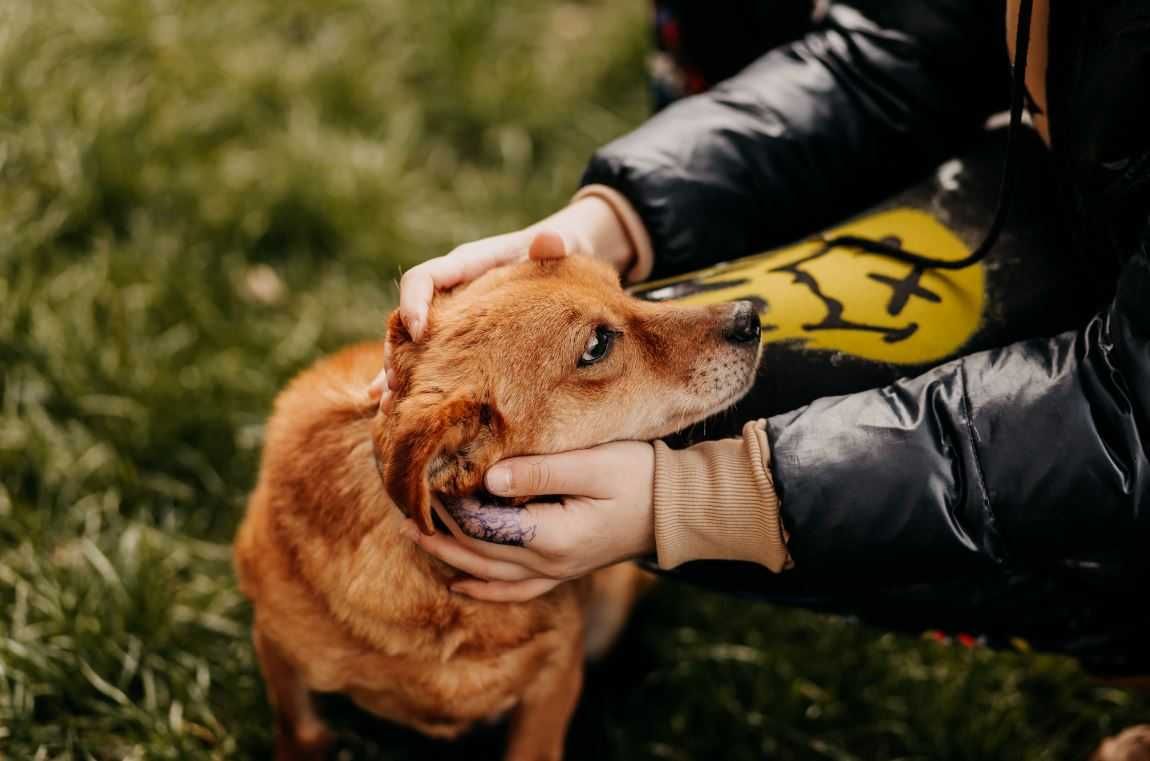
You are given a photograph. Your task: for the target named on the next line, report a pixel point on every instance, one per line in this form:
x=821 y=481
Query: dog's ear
x=443 y=446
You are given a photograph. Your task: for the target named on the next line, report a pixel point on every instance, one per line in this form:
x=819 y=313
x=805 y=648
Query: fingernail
x=499 y=480
x=417 y=328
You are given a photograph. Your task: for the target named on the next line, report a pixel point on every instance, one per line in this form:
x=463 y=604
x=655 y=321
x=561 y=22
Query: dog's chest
x=384 y=629
x=445 y=698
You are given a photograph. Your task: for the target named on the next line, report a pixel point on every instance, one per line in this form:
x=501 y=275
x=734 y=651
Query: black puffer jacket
x=1004 y=486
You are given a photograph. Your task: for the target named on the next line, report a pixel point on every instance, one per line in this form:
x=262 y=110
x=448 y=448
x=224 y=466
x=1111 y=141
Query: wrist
x=590 y=228
x=717 y=501
x=644 y=535
x=640 y=253
x=601 y=223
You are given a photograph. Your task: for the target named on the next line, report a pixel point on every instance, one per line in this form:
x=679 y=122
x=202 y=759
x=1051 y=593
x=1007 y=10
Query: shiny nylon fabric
x=1027 y=455
x=1005 y=492
x=809 y=133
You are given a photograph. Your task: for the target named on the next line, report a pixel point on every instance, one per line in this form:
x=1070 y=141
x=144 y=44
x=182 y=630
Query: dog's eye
x=598 y=344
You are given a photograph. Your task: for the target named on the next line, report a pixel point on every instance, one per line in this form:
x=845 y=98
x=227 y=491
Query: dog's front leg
x=539 y=724
x=300 y=733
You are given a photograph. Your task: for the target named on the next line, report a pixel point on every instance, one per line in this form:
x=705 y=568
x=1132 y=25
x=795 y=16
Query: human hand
x=518 y=553
x=587 y=227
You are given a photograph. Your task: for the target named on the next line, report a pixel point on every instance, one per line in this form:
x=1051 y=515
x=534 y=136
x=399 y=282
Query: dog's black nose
x=744 y=327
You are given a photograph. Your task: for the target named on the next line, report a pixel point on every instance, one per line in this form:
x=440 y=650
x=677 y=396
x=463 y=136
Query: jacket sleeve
x=814 y=130
x=1033 y=454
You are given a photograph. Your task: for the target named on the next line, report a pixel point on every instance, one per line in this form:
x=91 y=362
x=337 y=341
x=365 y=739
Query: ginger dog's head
x=547 y=356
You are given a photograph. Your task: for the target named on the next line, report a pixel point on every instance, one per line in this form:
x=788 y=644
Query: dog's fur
x=344 y=603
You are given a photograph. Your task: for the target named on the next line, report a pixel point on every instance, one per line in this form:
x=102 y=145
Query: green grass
x=196 y=200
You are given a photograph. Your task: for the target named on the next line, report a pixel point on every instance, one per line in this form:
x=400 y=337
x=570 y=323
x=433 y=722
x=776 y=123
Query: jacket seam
x=980 y=475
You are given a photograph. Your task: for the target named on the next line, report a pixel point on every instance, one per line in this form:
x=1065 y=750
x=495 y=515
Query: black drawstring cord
x=1017 y=101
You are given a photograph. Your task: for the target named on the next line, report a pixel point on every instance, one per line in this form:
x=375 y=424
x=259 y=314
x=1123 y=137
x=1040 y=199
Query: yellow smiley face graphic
x=845 y=300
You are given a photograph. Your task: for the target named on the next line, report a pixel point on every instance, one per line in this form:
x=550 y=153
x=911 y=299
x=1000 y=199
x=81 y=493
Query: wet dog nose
x=744 y=327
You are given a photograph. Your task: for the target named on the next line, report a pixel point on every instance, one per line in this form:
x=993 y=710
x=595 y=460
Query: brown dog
x=538 y=357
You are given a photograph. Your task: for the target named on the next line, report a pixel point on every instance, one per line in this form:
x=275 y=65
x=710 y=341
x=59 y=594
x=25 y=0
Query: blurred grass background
x=196 y=200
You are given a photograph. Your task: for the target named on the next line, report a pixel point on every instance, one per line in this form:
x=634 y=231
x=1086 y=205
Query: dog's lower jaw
x=694 y=418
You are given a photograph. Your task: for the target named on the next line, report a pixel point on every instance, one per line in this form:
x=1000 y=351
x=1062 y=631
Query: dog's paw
x=1130 y=745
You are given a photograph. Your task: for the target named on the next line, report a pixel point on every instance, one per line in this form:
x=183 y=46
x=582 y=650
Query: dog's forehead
x=542 y=314
x=555 y=288
x=568 y=271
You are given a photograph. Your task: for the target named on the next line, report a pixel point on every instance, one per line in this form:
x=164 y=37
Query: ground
x=196 y=200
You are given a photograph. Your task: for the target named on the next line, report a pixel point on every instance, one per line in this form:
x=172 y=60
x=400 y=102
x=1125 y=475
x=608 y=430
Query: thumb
x=575 y=473
x=547 y=244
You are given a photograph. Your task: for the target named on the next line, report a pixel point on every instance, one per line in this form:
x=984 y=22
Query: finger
x=504 y=591
x=547 y=244
x=475 y=259
x=457 y=556
x=379 y=385
x=473 y=526
x=392 y=378
x=512 y=527
x=580 y=472
x=416 y=288
x=552 y=530
x=418 y=285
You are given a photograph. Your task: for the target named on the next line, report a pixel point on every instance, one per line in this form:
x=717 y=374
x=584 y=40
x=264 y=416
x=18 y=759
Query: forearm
x=599 y=222
x=717 y=501
x=1023 y=456
x=810 y=132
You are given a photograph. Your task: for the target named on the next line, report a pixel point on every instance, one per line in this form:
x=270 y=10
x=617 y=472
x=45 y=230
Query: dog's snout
x=744 y=326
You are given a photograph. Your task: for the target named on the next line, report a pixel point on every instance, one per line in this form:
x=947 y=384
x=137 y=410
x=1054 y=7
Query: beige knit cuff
x=633 y=226
x=717 y=501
